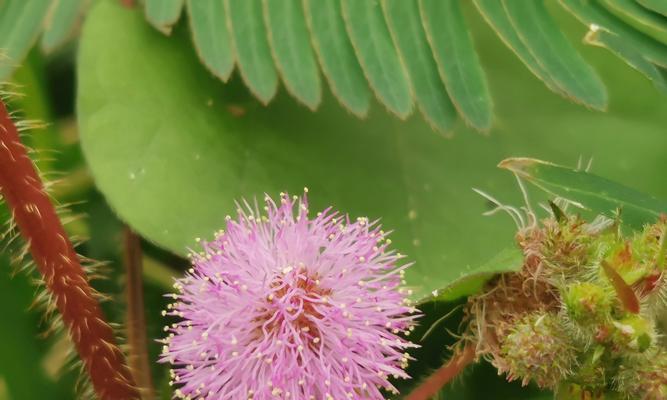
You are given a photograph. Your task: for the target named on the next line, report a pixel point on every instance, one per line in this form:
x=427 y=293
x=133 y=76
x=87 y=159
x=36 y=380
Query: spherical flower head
x=284 y=306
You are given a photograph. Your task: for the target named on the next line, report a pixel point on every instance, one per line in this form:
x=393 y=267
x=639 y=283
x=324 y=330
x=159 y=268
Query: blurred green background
x=169 y=148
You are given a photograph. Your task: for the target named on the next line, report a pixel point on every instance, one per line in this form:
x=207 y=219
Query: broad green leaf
x=163 y=14
x=377 y=55
x=251 y=48
x=643 y=20
x=590 y=192
x=288 y=37
x=496 y=16
x=626 y=52
x=185 y=157
x=405 y=26
x=659 y=6
x=540 y=33
x=20 y=23
x=63 y=19
x=589 y=12
x=457 y=61
x=473 y=280
x=210 y=36
x=336 y=55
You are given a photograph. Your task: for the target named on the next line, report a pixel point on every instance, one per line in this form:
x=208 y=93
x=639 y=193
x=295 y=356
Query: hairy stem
x=443 y=375
x=57 y=261
x=136 y=318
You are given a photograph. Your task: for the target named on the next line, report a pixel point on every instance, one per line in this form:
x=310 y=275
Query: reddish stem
x=136 y=318
x=59 y=265
x=443 y=375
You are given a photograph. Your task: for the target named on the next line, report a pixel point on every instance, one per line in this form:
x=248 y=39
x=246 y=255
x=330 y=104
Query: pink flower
x=280 y=306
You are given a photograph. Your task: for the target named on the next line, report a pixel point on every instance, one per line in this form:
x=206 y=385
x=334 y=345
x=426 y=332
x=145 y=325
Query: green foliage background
x=155 y=126
x=170 y=147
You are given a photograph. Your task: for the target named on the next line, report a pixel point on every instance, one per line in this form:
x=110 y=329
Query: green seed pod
x=583 y=315
x=644 y=380
x=591 y=375
x=537 y=348
x=633 y=333
x=587 y=303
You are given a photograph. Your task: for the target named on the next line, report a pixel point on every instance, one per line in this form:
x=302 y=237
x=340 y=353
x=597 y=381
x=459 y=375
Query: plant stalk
x=38 y=223
x=443 y=375
x=136 y=318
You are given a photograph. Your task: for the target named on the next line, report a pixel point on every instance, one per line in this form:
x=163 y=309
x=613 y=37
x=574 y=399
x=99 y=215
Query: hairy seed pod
x=537 y=348
x=646 y=380
x=633 y=333
x=587 y=303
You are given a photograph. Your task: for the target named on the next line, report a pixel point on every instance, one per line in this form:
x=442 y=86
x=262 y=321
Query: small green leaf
x=626 y=295
x=377 y=55
x=659 y=6
x=540 y=33
x=496 y=16
x=472 y=281
x=648 y=22
x=558 y=213
x=211 y=37
x=589 y=13
x=589 y=192
x=251 y=47
x=65 y=15
x=457 y=61
x=288 y=36
x=405 y=26
x=336 y=55
x=626 y=52
x=163 y=14
x=20 y=23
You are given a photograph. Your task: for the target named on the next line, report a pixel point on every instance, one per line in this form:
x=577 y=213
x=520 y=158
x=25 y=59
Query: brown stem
x=136 y=318
x=61 y=270
x=443 y=375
